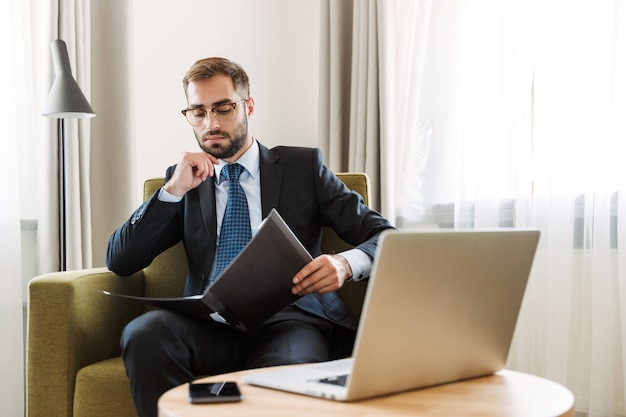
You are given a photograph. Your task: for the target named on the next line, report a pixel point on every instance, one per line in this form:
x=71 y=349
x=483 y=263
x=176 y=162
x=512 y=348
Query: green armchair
x=74 y=365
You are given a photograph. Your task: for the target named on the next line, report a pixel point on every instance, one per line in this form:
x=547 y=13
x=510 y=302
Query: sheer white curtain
x=16 y=119
x=577 y=301
x=512 y=113
x=349 y=102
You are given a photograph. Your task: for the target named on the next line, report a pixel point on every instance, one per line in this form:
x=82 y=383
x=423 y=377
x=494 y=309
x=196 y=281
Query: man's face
x=225 y=140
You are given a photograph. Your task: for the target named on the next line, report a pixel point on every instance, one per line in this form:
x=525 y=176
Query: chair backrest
x=165 y=277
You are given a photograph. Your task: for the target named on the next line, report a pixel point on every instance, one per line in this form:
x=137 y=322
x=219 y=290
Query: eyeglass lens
x=222 y=113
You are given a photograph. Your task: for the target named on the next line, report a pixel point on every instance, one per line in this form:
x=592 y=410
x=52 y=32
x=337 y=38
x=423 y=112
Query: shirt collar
x=249 y=160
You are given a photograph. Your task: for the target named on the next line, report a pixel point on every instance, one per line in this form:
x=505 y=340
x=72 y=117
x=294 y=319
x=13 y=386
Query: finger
x=209 y=162
x=310 y=268
x=213 y=159
x=304 y=286
x=202 y=165
x=201 y=170
x=308 y=276
x=321 y=281
x=321 y=287
x=303 y=273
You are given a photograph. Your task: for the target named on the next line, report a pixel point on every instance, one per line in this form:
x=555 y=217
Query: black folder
x=256 y=285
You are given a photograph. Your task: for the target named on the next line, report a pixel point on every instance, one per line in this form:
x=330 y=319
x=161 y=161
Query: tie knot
x=232 y=171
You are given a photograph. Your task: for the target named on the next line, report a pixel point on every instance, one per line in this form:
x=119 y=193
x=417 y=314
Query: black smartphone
x=214 y=392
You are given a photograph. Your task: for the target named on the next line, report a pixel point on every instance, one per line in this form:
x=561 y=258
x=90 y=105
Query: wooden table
x=504 y=394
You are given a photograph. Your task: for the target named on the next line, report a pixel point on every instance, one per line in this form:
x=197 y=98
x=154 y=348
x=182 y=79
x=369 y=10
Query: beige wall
x=276 y=41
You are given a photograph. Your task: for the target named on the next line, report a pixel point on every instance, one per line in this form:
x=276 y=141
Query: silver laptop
x=440 y=307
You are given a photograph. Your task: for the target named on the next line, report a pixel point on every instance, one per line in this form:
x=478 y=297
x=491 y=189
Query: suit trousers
x=162 y=349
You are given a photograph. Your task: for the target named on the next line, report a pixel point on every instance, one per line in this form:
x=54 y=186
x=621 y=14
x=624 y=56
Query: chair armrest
x=71 y=324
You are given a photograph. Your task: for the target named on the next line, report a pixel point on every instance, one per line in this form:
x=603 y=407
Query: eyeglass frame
x=212 y=111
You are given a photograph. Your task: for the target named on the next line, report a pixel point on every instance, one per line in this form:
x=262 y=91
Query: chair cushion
x=103 y=390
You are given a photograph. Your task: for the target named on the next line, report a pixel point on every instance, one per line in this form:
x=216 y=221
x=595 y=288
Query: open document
x=256 y=285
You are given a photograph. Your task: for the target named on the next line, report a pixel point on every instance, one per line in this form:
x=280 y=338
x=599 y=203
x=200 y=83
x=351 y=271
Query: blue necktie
x=235 y=232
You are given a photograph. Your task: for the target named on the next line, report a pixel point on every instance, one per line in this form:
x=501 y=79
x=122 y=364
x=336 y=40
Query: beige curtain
x=349 y=127
x=98 y=151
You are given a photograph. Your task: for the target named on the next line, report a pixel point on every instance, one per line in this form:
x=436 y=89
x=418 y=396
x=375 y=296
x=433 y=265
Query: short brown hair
x=210 y=67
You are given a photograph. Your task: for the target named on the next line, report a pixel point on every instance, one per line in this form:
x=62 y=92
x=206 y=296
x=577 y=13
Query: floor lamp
x=65 y=101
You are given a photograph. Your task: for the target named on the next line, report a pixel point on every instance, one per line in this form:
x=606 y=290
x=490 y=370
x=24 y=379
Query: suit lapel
x=206 y=196
x=271 y=179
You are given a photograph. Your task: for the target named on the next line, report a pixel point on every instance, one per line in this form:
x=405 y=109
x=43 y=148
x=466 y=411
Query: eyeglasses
x=222 y=112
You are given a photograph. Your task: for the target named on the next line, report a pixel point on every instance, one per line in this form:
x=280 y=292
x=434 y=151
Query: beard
x=236 y=140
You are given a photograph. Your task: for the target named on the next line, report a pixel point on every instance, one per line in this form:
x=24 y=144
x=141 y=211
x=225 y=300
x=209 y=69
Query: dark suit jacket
x=294 y=180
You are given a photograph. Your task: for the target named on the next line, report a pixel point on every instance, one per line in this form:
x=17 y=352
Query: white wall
x=276 y=42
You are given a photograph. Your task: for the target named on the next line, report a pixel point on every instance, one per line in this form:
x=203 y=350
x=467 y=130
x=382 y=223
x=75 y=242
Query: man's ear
x=250 y=106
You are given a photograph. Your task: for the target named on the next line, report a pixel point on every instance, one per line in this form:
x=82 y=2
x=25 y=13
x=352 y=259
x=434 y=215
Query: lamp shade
x=65 y=100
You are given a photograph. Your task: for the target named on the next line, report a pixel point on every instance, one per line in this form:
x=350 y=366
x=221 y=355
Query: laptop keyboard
x=339 y=380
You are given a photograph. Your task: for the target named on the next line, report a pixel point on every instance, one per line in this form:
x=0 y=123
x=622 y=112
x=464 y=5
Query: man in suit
x=162 y=349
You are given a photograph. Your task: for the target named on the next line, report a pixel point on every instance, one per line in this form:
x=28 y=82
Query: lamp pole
x=62 y=203
x=65 y=100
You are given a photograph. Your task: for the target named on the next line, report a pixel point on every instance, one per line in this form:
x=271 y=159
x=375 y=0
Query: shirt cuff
x=167 y=197
x=360 y=263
